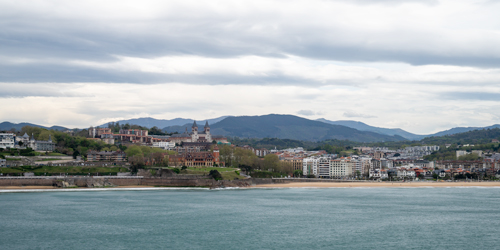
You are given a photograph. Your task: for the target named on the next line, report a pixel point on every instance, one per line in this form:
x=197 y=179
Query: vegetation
x=215 y=174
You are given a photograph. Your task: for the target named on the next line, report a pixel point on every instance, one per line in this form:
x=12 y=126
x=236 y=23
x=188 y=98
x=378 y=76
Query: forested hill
x=4 y=126
x=479 y=136
x=292 y=127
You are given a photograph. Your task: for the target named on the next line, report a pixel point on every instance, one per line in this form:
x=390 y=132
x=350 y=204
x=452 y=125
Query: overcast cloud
x=423 y=66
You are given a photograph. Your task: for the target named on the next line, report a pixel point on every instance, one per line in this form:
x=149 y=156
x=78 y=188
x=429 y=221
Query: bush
x=215 y=174
x=176 y=170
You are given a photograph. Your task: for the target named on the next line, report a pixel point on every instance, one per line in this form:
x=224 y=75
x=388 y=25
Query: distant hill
x=481 y=135
x=19 y=126
x=365 y=127
x=292 y=127
x=149 y=122
x=458 y=130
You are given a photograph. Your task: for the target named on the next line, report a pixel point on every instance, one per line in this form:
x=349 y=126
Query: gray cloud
x=474 y=96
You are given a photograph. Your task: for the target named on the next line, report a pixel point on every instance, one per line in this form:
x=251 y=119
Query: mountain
x=365 y=127
x=478 y=136
x=462 y=130
x=149 y=122
x=292 y=127
x=19 y=126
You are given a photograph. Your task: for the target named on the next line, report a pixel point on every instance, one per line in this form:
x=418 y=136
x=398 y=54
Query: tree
x=247 y=168
x=271 y=162
x=184 y=167
x=297 y=173
x=215 y=174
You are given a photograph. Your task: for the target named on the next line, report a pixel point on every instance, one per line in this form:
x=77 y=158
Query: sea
x=258 y=218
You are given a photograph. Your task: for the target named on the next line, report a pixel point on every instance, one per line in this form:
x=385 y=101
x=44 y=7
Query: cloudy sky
x=419 y=65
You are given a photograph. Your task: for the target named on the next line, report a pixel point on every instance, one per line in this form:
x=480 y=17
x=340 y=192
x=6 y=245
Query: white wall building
x=164 y=145
x=310 y=166
x=342 y=167
x=7 y=140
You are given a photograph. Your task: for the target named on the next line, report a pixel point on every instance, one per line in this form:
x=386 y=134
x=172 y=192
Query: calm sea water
x=337 y=218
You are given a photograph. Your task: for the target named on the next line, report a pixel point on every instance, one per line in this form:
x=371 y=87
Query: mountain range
x=19 y=126
x=279 y=126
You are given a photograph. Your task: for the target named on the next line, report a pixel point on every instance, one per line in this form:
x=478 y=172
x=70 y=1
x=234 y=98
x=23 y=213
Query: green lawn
x=51 y=159
x=13 y=159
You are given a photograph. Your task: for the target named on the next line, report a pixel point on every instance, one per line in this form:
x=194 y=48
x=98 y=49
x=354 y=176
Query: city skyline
x=422 y=66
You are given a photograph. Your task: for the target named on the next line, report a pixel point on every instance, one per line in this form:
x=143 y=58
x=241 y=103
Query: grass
x=13 y=159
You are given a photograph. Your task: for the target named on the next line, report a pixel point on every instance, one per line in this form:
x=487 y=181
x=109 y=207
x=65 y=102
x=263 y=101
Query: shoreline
x=378 y=184
x=286 y=185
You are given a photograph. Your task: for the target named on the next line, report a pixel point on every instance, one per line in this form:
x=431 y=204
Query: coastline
x=377 y=184
x=289 y=185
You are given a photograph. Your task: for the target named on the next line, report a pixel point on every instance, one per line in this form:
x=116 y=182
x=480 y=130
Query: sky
x=420 y=65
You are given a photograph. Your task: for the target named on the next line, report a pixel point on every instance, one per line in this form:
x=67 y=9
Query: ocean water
x=299 y=218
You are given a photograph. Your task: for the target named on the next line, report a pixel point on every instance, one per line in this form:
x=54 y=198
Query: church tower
x=206 y=129
x=194 y=133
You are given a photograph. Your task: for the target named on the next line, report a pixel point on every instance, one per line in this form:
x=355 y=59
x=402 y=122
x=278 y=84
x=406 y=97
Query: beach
x=378 y=184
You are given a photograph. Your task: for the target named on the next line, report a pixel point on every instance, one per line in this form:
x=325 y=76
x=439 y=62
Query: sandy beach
x=379 y=184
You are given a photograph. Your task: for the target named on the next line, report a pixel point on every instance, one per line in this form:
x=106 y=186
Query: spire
x=206 y=125
x=194 y=124
x=50 y=139
x=32 y=137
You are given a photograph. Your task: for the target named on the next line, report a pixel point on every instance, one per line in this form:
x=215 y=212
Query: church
x=196 y=136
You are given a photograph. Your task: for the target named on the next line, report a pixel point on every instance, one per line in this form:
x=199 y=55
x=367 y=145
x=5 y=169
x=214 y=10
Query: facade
x=116 y=156
x=7 y=140
x=3 y=163
x=163 y=145
x=42 y=145
x=342 y=167
x=25 y=139
x=310 y=166
x=108 y=138
x=97 y=132
x=196 y=159
x=324 y=167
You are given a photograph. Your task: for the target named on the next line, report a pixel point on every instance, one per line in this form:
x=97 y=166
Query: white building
x=7 y=140
x=3 y=163
x=309 y=166
x=342 y=167
x=324 y=167
x=164 y=145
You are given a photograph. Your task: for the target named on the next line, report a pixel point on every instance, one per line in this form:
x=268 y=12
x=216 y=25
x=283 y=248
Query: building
x=97 y=132
x=116 y=156
x=196 y=159
x=25 y=139
x=108 y=138
x=310 y=166
x=42 y=145
x=196 y=136
x=163 y=145
x=7 y=140
x=295 y=163
x=3 y=163
x=324 y=167
x=342 y=167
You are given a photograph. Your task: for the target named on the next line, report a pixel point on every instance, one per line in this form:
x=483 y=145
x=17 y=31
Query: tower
x=194 y=133
x=207 y=128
